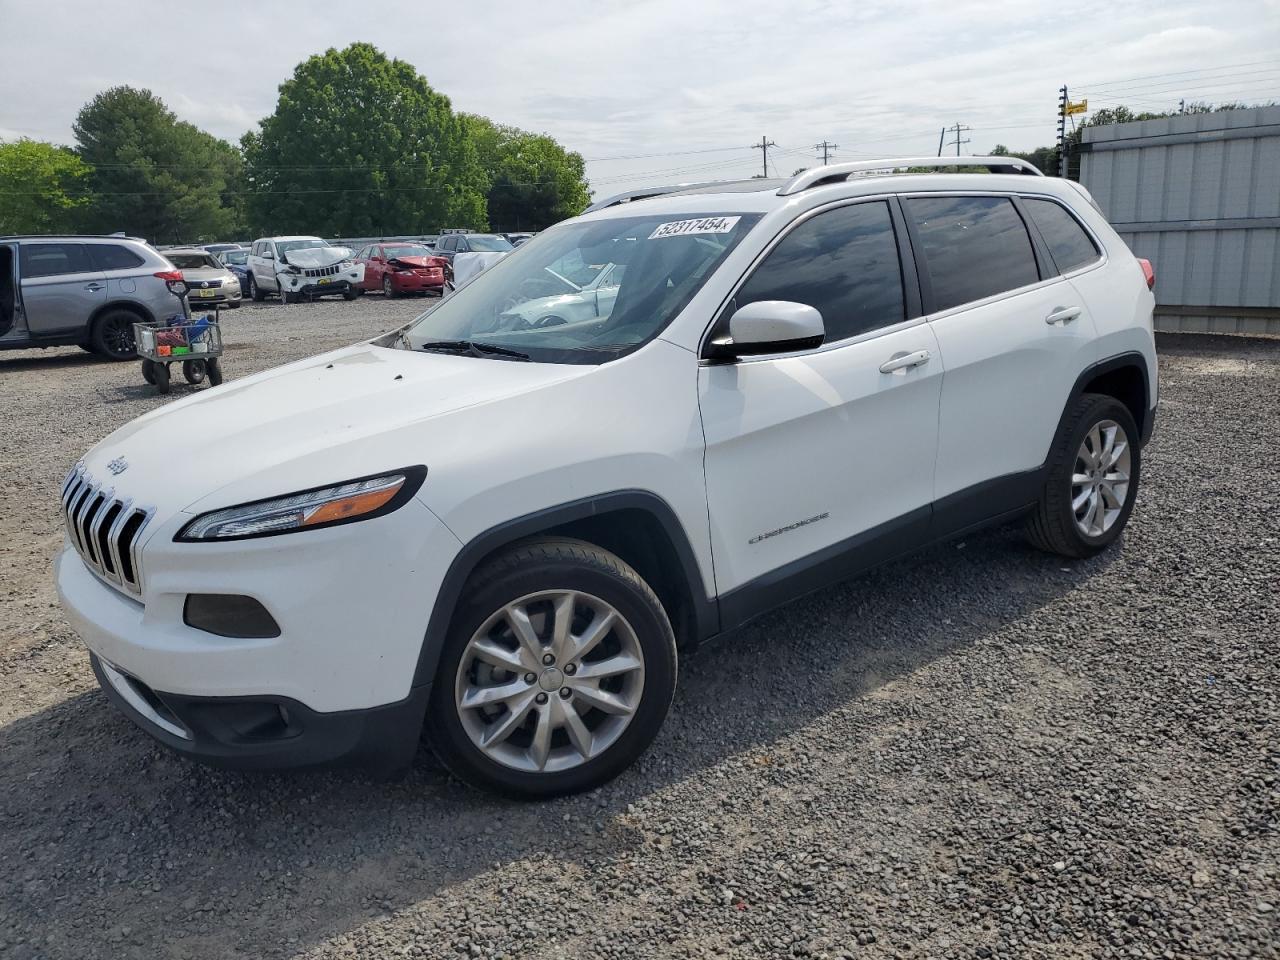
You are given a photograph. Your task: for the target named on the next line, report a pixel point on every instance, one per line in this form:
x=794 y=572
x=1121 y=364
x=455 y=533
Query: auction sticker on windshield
x=685 y=228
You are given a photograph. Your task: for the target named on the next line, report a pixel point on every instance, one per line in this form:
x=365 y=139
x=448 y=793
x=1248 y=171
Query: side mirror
x=268 y=255
x=770 y=326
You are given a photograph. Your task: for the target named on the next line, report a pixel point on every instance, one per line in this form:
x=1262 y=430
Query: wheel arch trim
x=1111 y=364
x=706 y=609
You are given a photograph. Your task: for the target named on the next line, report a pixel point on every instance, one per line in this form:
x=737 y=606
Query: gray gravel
x=983 y=752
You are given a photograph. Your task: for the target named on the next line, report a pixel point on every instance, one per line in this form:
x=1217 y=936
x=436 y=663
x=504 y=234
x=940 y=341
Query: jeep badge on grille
x=118 y=466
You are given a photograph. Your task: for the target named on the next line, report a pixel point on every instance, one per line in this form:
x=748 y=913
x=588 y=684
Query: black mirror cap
x=723 y=349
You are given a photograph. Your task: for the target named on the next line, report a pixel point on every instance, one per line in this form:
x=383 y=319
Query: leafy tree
x=153 y=175
x=42 y=186
x=533 y=182
x=360 y=144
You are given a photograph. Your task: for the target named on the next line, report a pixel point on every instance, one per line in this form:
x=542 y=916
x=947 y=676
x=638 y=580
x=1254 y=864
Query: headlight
x=354 y=500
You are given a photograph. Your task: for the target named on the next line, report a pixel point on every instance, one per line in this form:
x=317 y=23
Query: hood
x=313 y=257
x=327 y=419
x=424 y=261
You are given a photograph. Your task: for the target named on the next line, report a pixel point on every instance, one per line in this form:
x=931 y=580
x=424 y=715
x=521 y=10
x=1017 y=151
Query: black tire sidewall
x=450 y=741
x=1100 y=408
x=162 y=377
x=149 y=371
x=213 y=370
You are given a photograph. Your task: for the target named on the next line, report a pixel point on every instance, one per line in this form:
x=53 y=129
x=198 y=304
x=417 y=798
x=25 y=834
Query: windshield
x=408 y=250
x=489 y=244
x=284 y=246
x=650 y=267
x=238 y=257
x=193 y=261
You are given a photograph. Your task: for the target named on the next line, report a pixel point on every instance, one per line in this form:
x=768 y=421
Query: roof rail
x=644 y=193
x=836 y=172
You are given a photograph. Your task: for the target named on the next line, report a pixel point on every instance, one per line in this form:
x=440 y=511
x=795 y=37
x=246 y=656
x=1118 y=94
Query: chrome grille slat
x=86 y=505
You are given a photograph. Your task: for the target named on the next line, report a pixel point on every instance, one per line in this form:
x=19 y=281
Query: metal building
x=1199 y=196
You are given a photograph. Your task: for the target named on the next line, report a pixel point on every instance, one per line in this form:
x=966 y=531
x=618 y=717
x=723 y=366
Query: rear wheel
x=113 y=335
x=213 y=368
x=193 y=371
x=1094 y=469
x=557 y=672
x=161 y=374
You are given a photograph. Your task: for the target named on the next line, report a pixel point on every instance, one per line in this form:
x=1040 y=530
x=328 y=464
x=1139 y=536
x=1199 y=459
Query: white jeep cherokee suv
x=301 y=268
x=496 y=531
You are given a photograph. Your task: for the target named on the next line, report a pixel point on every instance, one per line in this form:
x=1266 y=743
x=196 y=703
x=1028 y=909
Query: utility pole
x=1062 y=131
x=763 y=146
x=827 y=149
x=1182 y=106
x=941 y=137
x=958 y=129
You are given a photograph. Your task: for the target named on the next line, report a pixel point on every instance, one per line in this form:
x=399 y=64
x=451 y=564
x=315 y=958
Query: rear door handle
x=905 y=362
x=1063 y=315
x=95 y=286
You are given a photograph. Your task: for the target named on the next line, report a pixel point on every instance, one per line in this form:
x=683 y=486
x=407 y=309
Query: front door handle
x=905 y=362
x=94 y=287
x=1063 y=315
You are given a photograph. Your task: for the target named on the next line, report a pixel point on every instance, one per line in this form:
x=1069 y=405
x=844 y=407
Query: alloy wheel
x=1100 y=480
x=117 y=337
x=549 y=681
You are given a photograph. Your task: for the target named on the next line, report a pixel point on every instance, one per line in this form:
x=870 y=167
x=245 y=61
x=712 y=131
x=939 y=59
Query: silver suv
x=83 y=291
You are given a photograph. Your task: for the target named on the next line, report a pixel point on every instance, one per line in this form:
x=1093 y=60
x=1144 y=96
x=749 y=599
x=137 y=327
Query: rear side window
x=53 y=259
x=1070 y=246
x=844 y=263
x=112 y=256
x=974 y=247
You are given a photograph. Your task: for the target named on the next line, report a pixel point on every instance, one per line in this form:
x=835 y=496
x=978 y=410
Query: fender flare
x=706 y=610
x=1131 y=358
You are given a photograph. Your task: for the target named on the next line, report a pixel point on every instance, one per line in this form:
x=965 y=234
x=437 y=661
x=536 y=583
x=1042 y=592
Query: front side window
x=485 y=244
x=1068 y=243
x=113 y=256
x=974 y=247
x=53 y=259
x=522 y=305
x=844 y=263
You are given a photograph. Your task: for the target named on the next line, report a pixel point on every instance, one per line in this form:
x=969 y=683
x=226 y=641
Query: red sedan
x=400 y=268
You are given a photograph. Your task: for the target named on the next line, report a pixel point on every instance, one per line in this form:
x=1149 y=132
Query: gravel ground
x=983 y=752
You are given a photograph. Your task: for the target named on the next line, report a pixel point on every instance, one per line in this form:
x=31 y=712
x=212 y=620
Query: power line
x=763 y=146
x=1181 y=73
x=826 y=149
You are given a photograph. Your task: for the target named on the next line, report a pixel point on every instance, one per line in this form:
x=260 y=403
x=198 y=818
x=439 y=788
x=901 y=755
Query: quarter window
x=974 y=247
x=53 y=259
x=1070 y=246
x=112 y=256
x=844 y=263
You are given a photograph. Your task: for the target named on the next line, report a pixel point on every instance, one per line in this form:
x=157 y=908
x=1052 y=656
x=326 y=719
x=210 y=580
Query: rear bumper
x=264 y=732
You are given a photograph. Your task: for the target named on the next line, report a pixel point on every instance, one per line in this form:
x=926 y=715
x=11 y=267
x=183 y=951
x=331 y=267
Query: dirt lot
x=983 y=752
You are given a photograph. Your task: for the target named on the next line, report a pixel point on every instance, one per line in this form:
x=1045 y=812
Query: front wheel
x=1094 y=467
x=350 y=294
x=388 y=290
x=556 y=674
x=213 y=369
x=193 y=371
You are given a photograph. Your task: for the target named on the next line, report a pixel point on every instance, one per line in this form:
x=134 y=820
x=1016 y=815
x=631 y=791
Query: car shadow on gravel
x=51 y=358
x=114 y=846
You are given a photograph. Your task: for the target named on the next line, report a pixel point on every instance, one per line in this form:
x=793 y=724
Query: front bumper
x=336 y=283
x=257 y=733
x=411 y=283
x=224 y=296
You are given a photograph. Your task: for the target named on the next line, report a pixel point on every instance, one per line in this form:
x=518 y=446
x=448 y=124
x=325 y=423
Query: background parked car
x=586 y=302
x=401 y=268
x=208 y=279
x=515 y=239
x=237 y=261
x=78 y=290
x=299 y=268
x=450 y=245
x=219 y=248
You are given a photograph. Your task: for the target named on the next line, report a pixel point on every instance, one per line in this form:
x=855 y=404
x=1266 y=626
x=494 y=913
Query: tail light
x=169 y=276
x=1148 y=272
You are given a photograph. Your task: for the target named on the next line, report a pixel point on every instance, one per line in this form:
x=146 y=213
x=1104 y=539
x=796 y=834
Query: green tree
x=533 y=182
x=42 y=187
x=153 y=175
x=360 y=144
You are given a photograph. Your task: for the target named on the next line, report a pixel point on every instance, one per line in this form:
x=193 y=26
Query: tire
x=161 y=373
x=112 y=335
x=193 y=371
x=86 y=347
x=213 y=369
x=349 y=294
x=287 y=297
x=638 y=645
x=255 y=291
x=388 y=290
x=149 y=371
x=1065 y=520
x=233 y=304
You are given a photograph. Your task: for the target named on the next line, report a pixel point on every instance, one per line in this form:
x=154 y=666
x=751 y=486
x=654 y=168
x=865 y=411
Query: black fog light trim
x=229 y=615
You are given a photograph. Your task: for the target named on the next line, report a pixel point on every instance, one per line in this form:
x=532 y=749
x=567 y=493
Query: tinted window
x=1069 y=244
x=112 y=256
x=445 y=244
x=974 y=247
x=844 y=263
x=51 y=259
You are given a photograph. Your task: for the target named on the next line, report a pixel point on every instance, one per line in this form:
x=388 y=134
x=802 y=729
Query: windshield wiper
x=474 y=348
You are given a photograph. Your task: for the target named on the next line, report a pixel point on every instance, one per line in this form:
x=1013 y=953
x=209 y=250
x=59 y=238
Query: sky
x=664 y=91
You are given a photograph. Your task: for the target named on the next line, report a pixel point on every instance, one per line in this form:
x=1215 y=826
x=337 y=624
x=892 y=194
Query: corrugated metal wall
x=1199 y=196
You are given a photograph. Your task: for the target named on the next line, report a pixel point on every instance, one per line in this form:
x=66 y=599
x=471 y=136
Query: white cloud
x=624 y=79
